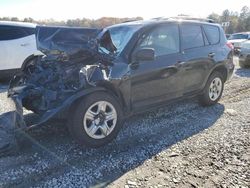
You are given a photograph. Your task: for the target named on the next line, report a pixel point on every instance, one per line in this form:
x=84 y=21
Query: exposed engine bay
x=44 y=84
x=72 y=61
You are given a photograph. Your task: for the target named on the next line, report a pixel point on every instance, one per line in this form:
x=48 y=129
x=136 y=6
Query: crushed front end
x=71 y=63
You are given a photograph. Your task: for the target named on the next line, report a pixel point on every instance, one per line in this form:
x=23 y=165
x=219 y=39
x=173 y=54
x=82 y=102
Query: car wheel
x=213 y=89
x=96 y=120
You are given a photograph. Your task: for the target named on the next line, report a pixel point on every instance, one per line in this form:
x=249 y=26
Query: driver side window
x=164 y=40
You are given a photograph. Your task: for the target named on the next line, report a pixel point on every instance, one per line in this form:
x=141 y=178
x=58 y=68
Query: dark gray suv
x=97 y=78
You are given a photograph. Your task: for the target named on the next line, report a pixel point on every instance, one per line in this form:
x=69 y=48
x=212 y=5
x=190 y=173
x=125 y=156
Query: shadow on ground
x=142 y=137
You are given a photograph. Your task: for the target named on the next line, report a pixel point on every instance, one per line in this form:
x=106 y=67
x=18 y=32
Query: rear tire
x=96 y=120
x=213 y=90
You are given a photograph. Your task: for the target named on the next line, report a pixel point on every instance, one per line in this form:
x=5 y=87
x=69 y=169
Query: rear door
x=198 y=56
x=16 y=45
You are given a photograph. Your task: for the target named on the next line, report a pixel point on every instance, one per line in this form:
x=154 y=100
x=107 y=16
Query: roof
x=19 y=24
x=159 y=20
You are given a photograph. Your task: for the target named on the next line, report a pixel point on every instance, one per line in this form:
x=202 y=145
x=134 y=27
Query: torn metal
x=75 y=59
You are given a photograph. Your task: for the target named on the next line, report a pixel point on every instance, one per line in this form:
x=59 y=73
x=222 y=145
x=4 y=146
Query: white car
x=238 y=39
x=17 y=46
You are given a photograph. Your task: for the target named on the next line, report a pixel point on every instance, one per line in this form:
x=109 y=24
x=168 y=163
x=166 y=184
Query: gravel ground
x=181 y=145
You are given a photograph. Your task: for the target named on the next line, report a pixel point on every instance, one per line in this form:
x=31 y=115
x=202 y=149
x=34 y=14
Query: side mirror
x=145 y=54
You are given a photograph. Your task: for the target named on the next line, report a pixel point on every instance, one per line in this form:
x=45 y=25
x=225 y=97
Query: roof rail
x=132 y=20
x=159 y=18
x=185 y=18
x=193 y=18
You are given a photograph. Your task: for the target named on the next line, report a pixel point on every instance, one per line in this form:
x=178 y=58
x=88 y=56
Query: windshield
x=120 y=35
x=238 y=36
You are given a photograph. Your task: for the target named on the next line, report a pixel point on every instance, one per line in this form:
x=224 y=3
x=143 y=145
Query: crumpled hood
x=72 y=42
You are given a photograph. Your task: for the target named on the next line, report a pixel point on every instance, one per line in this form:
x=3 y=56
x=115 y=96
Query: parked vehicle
x=17 y=46
x=228 y=36
x=238 y=39
x=244 y=56
x=97 y=78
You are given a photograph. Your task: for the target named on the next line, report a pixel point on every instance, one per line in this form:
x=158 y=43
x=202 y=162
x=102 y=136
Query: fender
x=28 y=59
x=222 y=68
x=67 y=103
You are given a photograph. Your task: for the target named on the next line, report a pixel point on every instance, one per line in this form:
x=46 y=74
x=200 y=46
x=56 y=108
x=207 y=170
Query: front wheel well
x=98 y=89
x=28 y=59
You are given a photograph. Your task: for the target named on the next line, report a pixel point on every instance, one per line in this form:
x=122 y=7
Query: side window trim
x=180 y=39
x=205 y=36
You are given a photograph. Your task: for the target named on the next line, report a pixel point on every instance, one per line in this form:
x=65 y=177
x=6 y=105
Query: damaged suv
x=96 y=78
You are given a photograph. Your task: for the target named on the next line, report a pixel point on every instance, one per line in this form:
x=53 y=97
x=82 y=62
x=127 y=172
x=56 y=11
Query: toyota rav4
x=97 y=78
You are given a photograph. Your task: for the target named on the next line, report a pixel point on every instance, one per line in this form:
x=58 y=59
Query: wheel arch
x=27 y=60
x=221 y=69
x=108 y=88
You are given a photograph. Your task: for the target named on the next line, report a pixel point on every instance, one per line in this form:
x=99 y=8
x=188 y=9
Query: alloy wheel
x=100 y=119
x=215 y=89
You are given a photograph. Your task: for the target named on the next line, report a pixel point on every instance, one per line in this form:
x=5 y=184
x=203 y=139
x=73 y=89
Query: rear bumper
x=230 y=72
x=230 y=68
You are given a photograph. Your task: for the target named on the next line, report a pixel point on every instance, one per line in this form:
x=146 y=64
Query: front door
x=158 y=80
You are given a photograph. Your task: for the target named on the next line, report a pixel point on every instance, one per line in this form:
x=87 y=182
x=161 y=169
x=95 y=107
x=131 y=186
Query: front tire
x=213 y=90
x=96 y=121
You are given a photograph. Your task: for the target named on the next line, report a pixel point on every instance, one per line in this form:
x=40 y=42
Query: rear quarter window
x=13 y=32
x=212 y=33
x=192 y=36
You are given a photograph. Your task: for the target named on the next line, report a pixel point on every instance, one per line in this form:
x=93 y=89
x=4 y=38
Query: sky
x=94 y=9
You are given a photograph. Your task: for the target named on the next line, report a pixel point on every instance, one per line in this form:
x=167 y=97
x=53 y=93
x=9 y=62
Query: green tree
x=31 y=20
x=215 y=17
x=15 y=19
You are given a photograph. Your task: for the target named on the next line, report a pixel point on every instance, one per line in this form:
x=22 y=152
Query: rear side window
x=212 y=33
x=12 y=32
x=191 y=36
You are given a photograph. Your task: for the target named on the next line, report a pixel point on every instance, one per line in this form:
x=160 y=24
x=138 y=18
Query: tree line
x=238 y=21
x=84 y=22
x=235 y=21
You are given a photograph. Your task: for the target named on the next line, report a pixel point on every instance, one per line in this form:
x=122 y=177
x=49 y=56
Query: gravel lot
x=181 y=145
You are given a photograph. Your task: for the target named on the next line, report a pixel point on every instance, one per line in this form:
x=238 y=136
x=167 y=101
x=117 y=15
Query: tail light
x=230 y=45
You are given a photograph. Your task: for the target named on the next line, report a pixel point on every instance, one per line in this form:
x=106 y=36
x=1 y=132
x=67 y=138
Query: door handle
x=211 y=54
x=180 y=63
x=24 y=44
x=134 y=65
